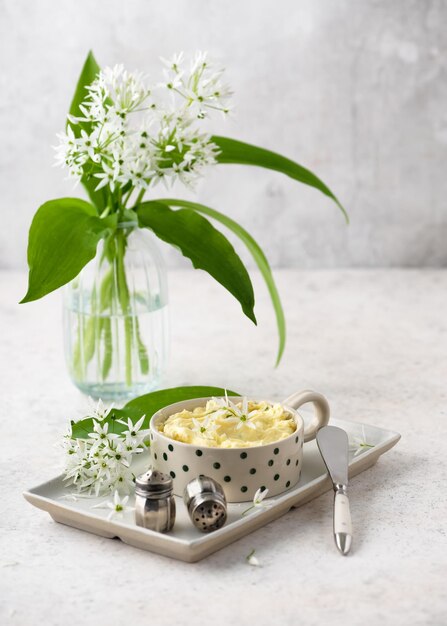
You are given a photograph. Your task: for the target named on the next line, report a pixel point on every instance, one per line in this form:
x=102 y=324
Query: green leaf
x=88 y=74
x=63 y=238
x=147 y=405
x=233 y=151
x=257 y=254
x=205 y=246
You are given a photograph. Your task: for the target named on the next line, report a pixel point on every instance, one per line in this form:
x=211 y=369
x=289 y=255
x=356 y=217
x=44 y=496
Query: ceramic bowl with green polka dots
x=240 y=471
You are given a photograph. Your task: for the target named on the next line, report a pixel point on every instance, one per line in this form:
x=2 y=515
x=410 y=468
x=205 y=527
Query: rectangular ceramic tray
x=185 y=542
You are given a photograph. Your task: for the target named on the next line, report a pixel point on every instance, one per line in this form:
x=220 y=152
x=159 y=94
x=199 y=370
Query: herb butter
x=225 y=424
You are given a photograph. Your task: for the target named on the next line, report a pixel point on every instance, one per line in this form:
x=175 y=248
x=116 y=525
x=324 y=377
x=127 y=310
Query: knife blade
x=334 y=448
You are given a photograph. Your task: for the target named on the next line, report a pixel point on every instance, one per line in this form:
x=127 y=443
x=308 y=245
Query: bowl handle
x=321 y=410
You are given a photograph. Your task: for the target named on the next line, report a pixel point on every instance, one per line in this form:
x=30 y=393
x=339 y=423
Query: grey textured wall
x=355 y=89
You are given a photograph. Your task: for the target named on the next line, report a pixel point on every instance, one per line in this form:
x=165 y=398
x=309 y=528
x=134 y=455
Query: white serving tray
x=185 y=542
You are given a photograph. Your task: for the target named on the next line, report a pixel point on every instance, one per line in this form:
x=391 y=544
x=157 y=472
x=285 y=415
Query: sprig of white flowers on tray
x=101 y=462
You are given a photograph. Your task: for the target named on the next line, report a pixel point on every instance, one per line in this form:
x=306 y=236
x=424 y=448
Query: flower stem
x=126 y=197
x=247 y=510
x=123 y=296
x=140 y=196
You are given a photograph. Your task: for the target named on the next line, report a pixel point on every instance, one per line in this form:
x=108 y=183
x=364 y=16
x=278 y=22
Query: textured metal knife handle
x=342 y=521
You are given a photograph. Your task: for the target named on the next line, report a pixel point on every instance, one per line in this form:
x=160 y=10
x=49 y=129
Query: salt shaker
x=206 y=503
x=154 y=502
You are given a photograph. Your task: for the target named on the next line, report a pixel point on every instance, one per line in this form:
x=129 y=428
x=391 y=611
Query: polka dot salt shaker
x=205 y=500
x=154 y=502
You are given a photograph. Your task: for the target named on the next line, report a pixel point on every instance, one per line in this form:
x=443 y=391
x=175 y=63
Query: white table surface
x=375 y=342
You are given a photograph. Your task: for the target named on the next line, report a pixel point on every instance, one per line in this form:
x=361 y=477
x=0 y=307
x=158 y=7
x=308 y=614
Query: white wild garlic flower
x=241 y=416
x=252 y=559
x=359 y=444
x=204 y=427
x=117 y=506
x=258 y=501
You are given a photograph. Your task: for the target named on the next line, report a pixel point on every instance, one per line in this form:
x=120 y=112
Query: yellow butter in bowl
x=222 y=423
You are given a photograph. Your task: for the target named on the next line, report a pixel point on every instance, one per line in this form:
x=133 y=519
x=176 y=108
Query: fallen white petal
x=252 y=560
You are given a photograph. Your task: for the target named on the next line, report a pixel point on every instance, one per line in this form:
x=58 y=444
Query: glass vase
x=115 y=318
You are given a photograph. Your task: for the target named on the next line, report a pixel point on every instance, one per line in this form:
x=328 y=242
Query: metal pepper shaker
x=154 y=502
x=206 y=503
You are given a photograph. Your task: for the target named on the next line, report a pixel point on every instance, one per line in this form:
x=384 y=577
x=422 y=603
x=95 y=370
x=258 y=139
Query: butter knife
x=333 y=445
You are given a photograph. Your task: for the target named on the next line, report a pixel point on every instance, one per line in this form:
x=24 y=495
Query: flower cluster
x=132 y=136
x=101 y=463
